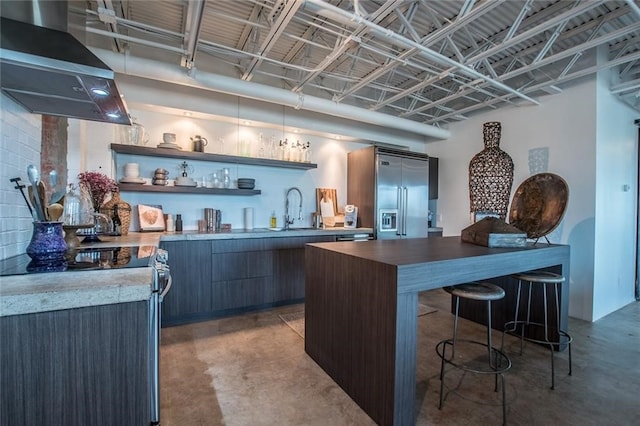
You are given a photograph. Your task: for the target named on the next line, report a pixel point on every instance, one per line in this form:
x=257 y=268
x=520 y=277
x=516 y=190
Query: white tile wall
x=20 y=133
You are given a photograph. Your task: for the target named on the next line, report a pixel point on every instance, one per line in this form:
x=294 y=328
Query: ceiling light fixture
x=99 y=92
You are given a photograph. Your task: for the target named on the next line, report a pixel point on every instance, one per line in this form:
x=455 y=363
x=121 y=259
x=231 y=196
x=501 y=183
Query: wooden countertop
x=411 y=251
x=446 y=259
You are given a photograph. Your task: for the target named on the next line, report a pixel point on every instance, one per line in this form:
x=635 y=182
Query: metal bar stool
x=498 y=362
x=543 y=279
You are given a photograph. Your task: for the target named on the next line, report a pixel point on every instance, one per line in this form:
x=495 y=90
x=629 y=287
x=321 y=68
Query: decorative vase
x=47 y=247
x=124 y=211
x=490 y=175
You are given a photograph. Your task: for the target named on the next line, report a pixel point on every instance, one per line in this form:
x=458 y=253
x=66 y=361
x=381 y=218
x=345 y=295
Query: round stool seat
x=540 y=277
x=476 y=291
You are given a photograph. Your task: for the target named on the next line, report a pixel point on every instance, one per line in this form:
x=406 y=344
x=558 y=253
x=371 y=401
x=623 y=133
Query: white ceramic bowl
x=169 y=137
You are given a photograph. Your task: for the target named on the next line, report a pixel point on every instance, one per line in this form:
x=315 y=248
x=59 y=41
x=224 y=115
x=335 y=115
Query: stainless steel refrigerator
x=391 y=190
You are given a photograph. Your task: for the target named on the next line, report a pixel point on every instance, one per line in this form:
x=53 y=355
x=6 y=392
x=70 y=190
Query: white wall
x=566 y=125
x=20 y=146
x=616 y=191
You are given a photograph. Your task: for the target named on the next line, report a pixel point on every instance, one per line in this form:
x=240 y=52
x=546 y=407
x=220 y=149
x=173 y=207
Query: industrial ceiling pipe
x=155 y=70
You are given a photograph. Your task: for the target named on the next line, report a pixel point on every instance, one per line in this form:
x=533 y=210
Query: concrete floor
x=252 y=370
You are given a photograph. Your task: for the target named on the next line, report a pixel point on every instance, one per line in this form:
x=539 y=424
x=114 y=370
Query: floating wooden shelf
x=136 y=187
x=202 y=156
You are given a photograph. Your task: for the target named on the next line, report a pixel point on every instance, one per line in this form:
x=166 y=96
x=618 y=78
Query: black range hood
x=50 y=72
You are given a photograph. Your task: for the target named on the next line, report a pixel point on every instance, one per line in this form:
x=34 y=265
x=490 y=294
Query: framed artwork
x=150 y=217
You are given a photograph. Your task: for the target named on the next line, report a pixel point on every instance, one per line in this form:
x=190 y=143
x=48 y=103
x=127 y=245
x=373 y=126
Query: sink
x=292 y=229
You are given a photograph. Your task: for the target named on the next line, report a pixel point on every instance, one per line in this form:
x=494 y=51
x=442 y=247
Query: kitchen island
x=361 y=308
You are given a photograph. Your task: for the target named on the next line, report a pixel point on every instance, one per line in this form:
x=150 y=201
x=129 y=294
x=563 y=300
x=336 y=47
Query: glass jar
x=77 y=209
x=215 y=181
x=226 y=179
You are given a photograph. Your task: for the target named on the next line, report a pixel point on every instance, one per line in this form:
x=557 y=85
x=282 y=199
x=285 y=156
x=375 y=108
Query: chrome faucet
x=287 y=219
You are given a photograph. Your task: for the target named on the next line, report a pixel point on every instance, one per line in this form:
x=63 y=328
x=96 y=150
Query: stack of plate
x=246 y=183
x=184 y=181
x=132 y=180
x=169 y=145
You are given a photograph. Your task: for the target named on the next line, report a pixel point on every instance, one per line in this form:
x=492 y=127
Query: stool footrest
x=501 y=360
x=511 y=329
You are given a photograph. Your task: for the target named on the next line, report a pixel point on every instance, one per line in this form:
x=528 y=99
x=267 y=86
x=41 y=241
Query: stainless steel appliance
x=391 y=189
x=350 y=216
x=160 y=286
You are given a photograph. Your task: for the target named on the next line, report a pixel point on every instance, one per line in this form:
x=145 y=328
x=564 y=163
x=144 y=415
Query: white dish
x=185 y=184
x=275 y=229
x=169 y=145
x=132 y=180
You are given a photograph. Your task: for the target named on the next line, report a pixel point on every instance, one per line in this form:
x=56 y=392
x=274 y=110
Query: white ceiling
x=429 y=61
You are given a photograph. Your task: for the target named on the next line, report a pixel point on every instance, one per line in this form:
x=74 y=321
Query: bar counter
x=361 y=308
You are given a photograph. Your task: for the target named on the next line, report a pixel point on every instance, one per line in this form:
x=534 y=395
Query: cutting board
x=327 y=205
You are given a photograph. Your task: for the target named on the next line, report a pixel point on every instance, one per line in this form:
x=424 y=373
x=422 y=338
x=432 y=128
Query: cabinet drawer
x=298 y=242
x=234 y=266
x=239 y=245
x=242 y=293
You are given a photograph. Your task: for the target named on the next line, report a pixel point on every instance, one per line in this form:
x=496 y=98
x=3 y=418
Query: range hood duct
x=48 y=71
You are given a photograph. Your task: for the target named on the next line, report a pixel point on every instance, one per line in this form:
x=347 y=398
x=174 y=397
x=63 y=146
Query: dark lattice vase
x=490 y=175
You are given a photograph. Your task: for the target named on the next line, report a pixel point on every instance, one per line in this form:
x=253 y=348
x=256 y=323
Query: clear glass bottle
x=261 y=146
x=307 y=153
x=226 y=179
x=273 y=152
x=117 y=223
x=273 y=221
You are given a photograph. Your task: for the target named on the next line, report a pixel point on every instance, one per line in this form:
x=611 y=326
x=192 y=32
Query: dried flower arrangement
x=98 y=186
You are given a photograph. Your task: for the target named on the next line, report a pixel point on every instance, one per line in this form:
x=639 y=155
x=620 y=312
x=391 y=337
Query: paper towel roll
x=248 y=218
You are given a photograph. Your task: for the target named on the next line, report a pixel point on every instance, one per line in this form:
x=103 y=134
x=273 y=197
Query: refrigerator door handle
x=405 y=209
x=400 y=205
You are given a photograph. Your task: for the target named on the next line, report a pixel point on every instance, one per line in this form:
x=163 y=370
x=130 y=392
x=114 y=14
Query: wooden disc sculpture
x=539 y=204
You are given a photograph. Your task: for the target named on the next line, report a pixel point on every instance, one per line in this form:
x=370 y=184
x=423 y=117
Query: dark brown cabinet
x=242 y=274
x=84 y=366
x=289 y=266
x=191 y=293
x=217 y=278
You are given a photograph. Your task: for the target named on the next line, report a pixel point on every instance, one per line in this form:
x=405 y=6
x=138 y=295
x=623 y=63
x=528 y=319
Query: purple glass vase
x=47 y=245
